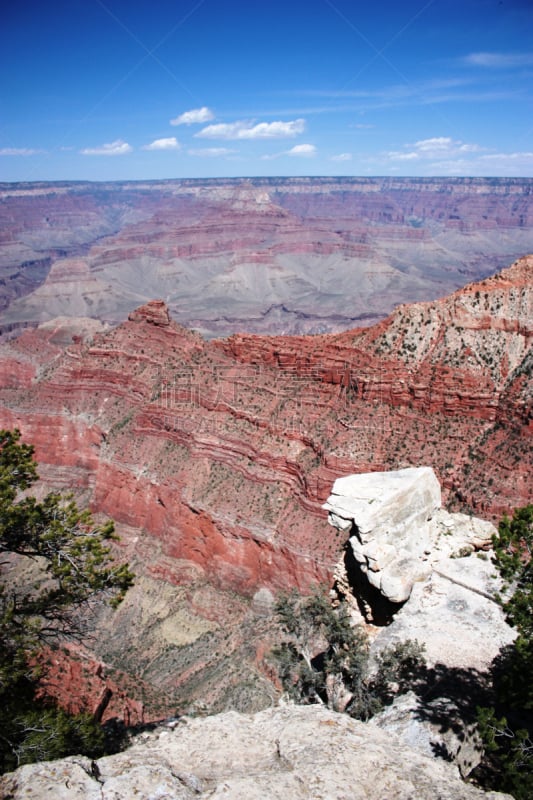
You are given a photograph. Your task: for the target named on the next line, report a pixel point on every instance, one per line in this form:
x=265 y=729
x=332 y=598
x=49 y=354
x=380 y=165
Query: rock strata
x=447 y=383
x=155 y=312
x=214 y=458
x=290 y=752
x=265 y=255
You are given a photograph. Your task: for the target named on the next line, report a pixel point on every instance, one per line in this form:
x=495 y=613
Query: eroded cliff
x=215 y=457
x=300 y=255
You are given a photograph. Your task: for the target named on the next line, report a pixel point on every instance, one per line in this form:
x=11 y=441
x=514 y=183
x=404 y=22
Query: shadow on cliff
x=467 y=688
x=375 y=608
x=448 y=701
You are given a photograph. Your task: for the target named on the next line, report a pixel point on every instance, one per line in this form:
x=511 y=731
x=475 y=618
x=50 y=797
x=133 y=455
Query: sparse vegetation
x=71 y=569
x=507 y=728
x=326 y=659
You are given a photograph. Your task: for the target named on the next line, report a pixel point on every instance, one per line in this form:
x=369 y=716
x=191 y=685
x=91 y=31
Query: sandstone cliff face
x=294 y=753
x=304 y=255
x=224 y=451
x=215 y=457
x=448 y=381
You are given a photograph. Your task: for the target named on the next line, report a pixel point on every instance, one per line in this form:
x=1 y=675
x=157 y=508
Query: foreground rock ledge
x=291 y=752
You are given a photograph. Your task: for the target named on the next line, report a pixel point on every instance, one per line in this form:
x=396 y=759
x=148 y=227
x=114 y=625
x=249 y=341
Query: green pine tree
x=326 y=659
x=507 y=729
x=72 y=560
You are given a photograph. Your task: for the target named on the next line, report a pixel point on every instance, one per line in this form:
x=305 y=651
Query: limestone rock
x=65 y=779
x=263 y=602
x=433 y=727
x=397 y=500
x=399 y=532
x=454 y=614
x=459 y=534
x=294 y=752
x=388 y=514
x=436 y=563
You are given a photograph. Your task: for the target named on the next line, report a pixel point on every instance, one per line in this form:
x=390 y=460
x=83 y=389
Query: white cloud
x=507 y=156
x=299 y=150
x=171 y=143
x=342 y=157
x=499 y=60
x=435 y=147
x=436 y=143
x=195 y=115
x=302 y=150
x=116 y=148
x=508 y=163
x=18 y=151
x=493 y=164
x=212 y=152
x=458 y=166
x=398 y=156
x=244 y=129
x=462 y=159
x=443 y=144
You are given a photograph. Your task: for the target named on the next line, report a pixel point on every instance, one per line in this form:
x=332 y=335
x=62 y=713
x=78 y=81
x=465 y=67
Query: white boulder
x=436 y=564
x=387 y=514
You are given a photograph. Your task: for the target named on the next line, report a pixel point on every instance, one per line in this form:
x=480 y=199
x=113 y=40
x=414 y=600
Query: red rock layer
x=224 y=451
x=219 y=454
x=82 y=685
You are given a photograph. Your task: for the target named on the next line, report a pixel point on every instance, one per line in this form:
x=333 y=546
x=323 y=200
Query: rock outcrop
x=455 y=614
x=290 y=752
x=397 y=530
x=155 y=312
x=434 y=726
x=405 y=550
x=386 y=515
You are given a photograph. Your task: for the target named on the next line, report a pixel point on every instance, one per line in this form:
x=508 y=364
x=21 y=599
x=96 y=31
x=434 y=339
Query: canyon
x=273 y=256
x=214 y=458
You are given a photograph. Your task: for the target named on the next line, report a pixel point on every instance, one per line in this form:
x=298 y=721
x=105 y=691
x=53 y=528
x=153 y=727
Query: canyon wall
x=295 y=255
x=214 y=457
x=225 y=450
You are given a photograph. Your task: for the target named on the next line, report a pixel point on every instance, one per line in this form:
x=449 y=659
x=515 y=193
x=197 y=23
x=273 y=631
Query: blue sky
x=114 y=90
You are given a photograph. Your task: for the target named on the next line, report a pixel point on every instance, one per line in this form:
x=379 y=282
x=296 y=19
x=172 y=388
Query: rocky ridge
x=466 y=358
